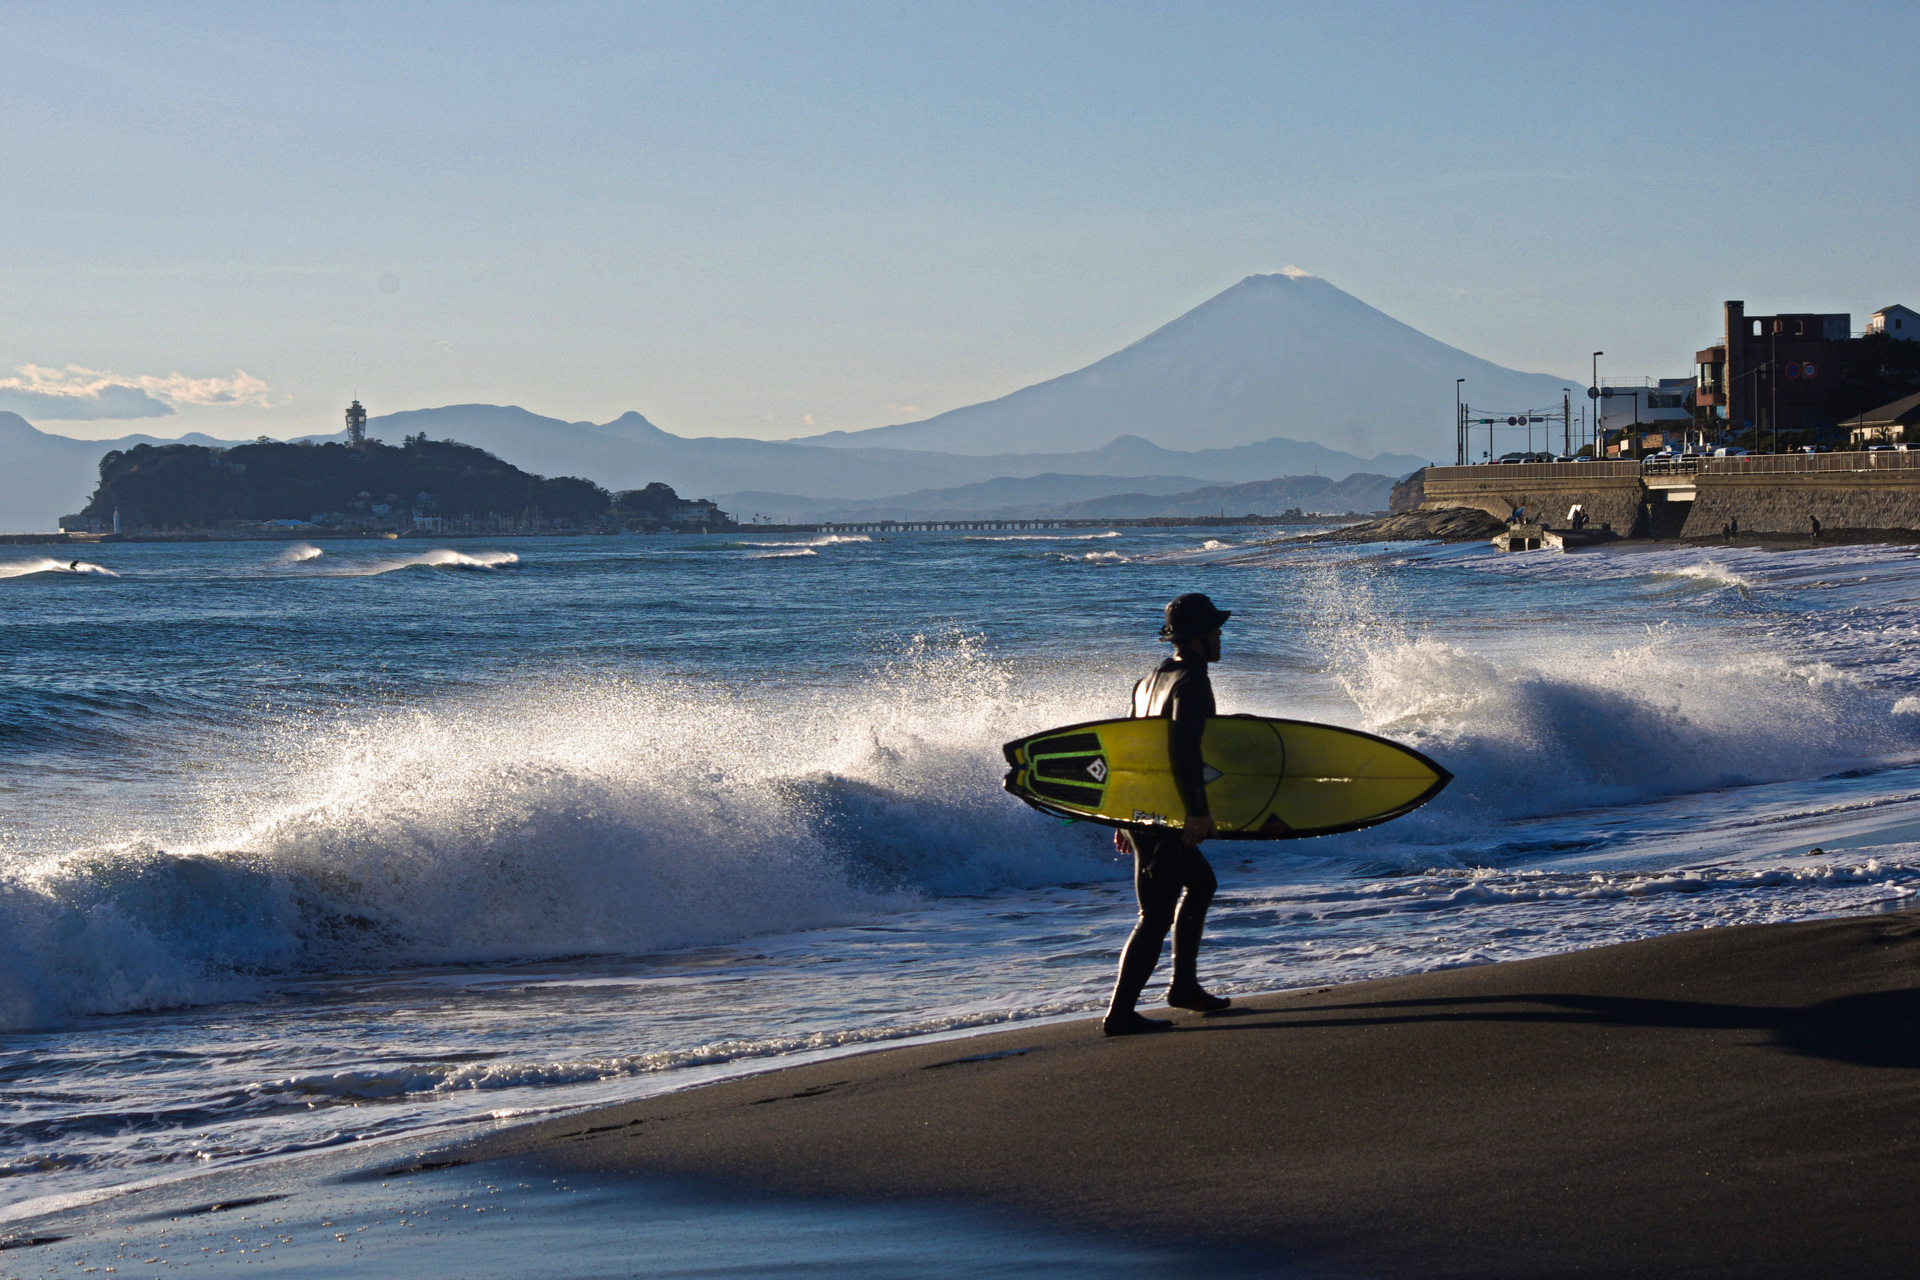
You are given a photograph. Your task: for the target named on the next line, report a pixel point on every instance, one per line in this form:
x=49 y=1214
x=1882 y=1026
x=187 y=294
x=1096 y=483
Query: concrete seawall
x=1611 y=493
x=1774 y=494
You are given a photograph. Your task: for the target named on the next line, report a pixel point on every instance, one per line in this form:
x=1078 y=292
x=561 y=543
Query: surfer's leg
x=1188 y=924
x=1157 y=884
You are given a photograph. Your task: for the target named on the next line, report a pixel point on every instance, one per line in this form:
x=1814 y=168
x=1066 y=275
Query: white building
x=1650 y=402
x=1896 y=321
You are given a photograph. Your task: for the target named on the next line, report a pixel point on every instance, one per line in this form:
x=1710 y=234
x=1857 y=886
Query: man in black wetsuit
x=1171 y=877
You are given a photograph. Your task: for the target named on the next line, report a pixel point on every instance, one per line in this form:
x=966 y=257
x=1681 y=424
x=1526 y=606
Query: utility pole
x=1459 y=426
x=1593 y=396
x=1566 y=421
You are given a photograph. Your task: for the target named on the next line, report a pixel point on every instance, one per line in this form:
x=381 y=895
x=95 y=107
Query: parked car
x=1729 y=451
x=1815 y=448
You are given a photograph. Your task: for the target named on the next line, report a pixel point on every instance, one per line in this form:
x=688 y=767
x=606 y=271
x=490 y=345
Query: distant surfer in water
x=1171 y=877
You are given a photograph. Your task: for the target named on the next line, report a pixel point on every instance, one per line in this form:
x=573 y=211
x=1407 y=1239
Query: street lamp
x=1459 y=425
x=1593 y=394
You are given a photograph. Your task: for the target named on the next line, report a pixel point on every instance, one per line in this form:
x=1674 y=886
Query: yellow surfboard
x=1266 y=779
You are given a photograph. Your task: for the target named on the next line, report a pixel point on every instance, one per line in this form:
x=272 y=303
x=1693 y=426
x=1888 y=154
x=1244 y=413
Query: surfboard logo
x=1070 y=769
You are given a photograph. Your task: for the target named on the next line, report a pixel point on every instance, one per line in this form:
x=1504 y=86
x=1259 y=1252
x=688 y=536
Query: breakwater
x=1697 y=498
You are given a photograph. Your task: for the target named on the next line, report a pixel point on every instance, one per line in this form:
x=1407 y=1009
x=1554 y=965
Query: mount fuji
x=1275 y=355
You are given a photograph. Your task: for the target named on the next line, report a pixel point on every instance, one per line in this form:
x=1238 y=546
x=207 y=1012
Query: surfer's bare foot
x=1131 y=1023
x=1196 y=998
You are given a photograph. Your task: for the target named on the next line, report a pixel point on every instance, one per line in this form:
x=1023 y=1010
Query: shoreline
x=1727 y=1101
x=1507 y=1119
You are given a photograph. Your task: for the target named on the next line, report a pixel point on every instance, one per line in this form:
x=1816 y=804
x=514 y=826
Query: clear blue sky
x=767 y=220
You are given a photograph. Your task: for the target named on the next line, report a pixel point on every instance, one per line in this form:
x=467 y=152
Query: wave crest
x=611 y=818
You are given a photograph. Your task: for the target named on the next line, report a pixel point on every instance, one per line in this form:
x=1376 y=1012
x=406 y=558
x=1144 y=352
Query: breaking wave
x=1539 y=735
x=616 y=817
x=47 y=565
x=441 y=558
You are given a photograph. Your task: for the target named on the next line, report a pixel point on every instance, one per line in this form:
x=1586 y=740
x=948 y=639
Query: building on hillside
x=1895 y=423
x=701 y=511
x=1896 y=322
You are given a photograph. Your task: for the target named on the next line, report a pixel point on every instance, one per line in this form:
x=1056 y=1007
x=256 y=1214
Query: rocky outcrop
x=1408 y=494
x=1452 y=524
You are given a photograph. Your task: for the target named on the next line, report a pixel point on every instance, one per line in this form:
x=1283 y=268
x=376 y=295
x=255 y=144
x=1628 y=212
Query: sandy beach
x=1737 y=1102
x=1726 y=1102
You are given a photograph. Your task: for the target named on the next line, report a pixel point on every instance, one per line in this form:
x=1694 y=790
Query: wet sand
x=1728 y=1102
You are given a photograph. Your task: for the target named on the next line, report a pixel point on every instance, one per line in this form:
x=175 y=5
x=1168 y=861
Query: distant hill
x=1260 y=498
x=631 y=451
x=46 y=476
x=1079 y=497
x=1281 y=355
x=184 y=486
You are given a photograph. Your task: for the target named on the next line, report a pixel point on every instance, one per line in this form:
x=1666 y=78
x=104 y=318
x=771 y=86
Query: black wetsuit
x=1165 y=867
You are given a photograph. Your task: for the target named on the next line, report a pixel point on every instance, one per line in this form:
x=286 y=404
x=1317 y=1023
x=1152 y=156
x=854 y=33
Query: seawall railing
x=1883 y=461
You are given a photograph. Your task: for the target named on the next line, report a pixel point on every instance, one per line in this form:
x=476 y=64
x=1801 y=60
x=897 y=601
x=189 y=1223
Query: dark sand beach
x=1728 y=1102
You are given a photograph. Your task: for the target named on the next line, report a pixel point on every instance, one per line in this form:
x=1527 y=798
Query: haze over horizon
x=778 y=223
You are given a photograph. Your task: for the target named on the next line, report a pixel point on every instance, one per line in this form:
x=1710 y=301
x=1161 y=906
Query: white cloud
x=79 y=393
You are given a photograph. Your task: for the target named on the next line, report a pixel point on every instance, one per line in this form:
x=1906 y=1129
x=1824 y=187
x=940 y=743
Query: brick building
x=1785 y=372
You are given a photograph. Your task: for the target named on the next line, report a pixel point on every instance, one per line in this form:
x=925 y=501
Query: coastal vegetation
x=185 y=486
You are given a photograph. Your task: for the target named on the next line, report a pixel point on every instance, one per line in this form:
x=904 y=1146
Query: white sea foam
x=1535 y=734
x=451 y=1077
x=439 y=558
x=616 y=817
x=298 y=553
x=44 y=564
x=798 y=554
x=824 y=540
x=1040 y=537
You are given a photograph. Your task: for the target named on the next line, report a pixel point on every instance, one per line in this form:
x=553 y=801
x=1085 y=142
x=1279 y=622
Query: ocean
x=304 y=846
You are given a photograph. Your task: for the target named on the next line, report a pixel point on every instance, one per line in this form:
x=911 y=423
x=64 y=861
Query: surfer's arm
x=1188 y=708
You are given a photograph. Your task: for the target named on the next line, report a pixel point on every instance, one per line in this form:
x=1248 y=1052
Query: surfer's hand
x=1199 y=827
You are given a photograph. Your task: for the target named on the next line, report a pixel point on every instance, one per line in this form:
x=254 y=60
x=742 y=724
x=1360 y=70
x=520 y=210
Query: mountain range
x=47 y=475
x=630 y=451
x=1079 y=497
x=1279 y=376
x=1275 y=355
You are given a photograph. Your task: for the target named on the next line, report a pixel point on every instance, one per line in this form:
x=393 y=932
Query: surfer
x=1171 y=877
